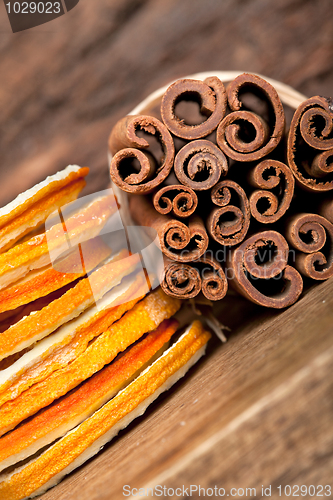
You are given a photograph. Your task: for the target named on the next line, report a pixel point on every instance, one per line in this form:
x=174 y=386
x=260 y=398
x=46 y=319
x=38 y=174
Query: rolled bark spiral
x=243 y=270
x=200 y=164
x=268 y=175
x=179 y=241
x=243 y=135
x=310 y=144
x=213 y=103
x=187 y=280
x=228 y=224
x=181 y=200
x=312 y=235
x=180 y=280
x=124 y=143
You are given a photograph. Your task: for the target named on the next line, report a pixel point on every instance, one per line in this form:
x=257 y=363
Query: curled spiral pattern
x=179 y=241
x=268 y=175
x=186 y=281
x=200 y=164
x=244 y=270
x=310 y=234
x=310 y=144
x=181 y=200
x=213 y=103
x=243 y=135
x=228 y=224
x=124 y=143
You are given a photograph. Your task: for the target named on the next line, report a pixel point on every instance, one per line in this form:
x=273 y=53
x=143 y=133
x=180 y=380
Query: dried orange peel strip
x=144 y=317
x=72 y=339
x=41 y=323
x=74 y=408
x=35 y=252
x=84 y=294
x=32 y=207
x=41 y=282
x=86 y=439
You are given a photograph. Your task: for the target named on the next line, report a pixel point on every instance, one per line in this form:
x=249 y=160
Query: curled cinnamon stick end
x=179 y=241
x=266 y=206
x=185 y=281
x=258 y=266
x=244 y=135
x=180 y=280
x=310 y=144
x=181 y=200
x=124 y=142
x=211 y=96
x=312 y=235
x=229 y=223
x=214 y=284
x=200 y=164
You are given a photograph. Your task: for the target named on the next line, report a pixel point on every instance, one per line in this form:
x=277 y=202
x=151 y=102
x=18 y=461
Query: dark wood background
x=258 y=410
x=63 y=85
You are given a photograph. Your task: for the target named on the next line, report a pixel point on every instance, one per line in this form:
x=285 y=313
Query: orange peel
x=70 y=305
x=35 y=252
x=65 y=414
x=73 y=338
x=31 y=208
x=145 y=316
x=41 y=282
x=83 y=442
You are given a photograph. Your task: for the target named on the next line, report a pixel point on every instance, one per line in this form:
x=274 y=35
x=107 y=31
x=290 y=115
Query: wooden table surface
x=258 y=410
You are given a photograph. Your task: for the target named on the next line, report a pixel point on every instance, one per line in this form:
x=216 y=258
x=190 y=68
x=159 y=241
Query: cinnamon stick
x=124 y=142
x=310 y=144
x=179 y=241
x=180 y=280
x=244 y=135
x=185 y=281
x=214 y=284
x=258 y=269
x=200 y=164
x=229 y=224
x=266 y=206
x=312 y=235
x=211 y=96
x=181 y=200
x=249 y=122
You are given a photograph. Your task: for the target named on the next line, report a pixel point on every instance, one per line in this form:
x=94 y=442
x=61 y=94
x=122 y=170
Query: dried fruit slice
x=35 y=253
x=85 y=293
x=71 y=340
x=41 y=282
x=142 y=318
x=32 y=207
x=86 y=439
x=75 y=407
x=40 y=324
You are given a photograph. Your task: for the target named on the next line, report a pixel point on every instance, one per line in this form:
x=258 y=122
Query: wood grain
x=65 y=84
x=256 y=411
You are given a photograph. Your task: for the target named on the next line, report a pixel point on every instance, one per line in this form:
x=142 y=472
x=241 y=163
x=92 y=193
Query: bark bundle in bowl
x=237 y=181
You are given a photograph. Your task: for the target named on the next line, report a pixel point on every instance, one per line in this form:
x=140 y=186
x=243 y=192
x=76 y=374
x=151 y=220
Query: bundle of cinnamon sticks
x=236 y=195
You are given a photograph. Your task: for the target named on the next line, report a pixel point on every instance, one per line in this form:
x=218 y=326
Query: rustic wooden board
x=257 y=410
x=65 y=84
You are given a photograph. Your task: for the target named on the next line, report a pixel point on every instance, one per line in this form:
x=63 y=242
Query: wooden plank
x=259 y=409
x=65 y=84
x=256 y=411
